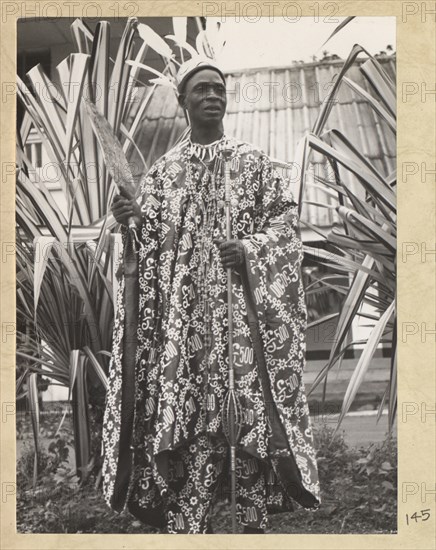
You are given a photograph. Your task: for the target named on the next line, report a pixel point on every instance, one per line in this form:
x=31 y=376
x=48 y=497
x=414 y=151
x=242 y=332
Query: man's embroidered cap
x=191 y=67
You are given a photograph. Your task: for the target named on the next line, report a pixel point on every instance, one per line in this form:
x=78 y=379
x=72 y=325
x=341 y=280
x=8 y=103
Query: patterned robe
x=169 y=369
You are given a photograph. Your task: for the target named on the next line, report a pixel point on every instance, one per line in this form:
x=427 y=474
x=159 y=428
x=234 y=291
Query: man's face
x=205 y=98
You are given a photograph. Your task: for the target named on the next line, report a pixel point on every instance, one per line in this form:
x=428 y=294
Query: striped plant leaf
x=379 y=109
x=204 y=47
x=341 y=262
x=78 y=387
x=43 y=246
x=182 y=44
x=364 y=361
x=96 y=365
x=322 y=374
x=180 y=28
x=368 y=227
x=321 y=320
x=120 y=76
x=371 y=182
x=47 y=103
x=301 y=160
x=132 y=90
x=99 y=67
x=337 y=29
x=79 y=67
x=160 y=75
x=392 y=387
x=82 y=35
x=152 y=39
x=69 y=261
x=351 y=305
x=32 y=392
x=338 y=141
x=381 y=83
x=329 y=102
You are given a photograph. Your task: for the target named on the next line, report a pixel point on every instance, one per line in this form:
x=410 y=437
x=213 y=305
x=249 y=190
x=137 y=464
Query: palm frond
x=363 y=244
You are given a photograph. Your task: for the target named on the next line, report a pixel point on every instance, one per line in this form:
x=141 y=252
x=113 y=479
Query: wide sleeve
x=276 y=310
x=274 y=250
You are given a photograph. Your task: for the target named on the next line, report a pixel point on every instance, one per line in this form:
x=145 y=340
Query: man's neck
x=206 y=135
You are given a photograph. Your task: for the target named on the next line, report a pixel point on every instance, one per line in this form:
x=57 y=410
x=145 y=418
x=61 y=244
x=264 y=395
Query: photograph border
x=416 y=182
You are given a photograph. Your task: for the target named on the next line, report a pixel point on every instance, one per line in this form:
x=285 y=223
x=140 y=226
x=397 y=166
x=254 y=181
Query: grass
x=359 y=489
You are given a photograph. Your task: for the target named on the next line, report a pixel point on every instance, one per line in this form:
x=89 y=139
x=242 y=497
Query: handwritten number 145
x=424 y=516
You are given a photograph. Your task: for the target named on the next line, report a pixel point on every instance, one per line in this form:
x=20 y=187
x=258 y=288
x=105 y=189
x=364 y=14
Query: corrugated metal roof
x=273 y=108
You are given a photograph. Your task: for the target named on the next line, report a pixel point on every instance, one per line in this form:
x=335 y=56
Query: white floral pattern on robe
x=181 y=373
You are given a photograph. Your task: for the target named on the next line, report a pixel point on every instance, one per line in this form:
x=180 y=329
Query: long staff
x=231 y=416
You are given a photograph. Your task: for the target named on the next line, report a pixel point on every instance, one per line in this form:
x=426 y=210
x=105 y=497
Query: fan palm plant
x=363 y=243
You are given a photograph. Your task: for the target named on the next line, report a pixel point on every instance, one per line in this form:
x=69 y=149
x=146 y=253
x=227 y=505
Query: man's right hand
x=124 y=208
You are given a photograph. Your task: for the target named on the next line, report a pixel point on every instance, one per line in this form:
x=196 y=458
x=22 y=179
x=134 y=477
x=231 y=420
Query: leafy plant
x=363 y=245
x=359 y=485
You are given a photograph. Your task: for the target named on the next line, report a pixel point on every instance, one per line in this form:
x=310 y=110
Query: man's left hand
x=232 y=253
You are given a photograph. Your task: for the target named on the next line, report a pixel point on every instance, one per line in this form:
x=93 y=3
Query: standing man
x=165 y=452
